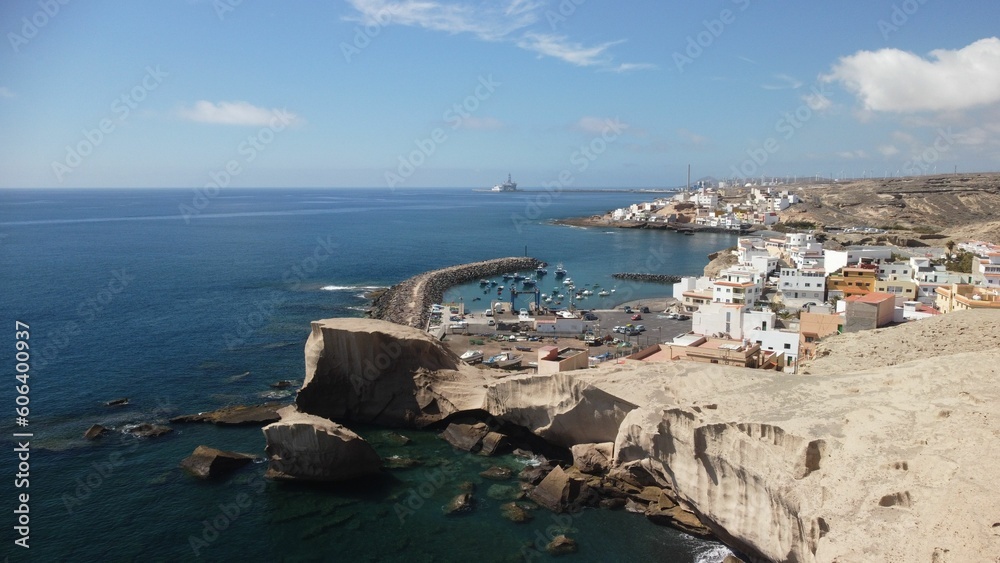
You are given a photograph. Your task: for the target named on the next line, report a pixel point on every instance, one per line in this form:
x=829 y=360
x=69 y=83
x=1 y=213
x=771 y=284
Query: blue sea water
x=169 y=298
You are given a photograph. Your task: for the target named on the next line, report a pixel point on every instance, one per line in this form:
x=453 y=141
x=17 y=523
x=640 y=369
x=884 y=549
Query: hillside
x=962 y=206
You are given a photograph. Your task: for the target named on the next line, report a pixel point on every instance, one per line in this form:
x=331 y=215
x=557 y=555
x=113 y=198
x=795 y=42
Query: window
x=810 y=339
x=788 y=346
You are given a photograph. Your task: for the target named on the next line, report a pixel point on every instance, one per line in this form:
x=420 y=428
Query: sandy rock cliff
x=896 y=463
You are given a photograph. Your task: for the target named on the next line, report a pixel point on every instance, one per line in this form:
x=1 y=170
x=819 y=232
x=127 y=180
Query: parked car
x=489 y=312
x=491 y=322
x=682 y=317
x=640 y=328
x=627 y=309
x=644 y=310
x=637 y=317
x=588 y=316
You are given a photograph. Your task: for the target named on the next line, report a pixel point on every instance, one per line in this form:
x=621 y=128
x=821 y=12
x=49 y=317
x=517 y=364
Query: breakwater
x=408 y=303
x=649 y=278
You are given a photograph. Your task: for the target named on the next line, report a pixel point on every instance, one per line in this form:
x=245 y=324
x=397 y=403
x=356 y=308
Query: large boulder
x=593 y=458
x=384 y=373
x=560 y=492
x=210 y=463
x=306 y=447
x=95 y=432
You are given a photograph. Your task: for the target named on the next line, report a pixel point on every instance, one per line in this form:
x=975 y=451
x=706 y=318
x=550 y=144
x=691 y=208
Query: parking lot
x=659 y=327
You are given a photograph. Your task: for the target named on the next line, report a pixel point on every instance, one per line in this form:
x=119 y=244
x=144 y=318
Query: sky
x=453 y=93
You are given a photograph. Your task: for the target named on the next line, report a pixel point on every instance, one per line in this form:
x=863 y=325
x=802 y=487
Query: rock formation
x=379 y=372
x=310 y=448
x=210 y=463
x=781 y=467
x=249 y=415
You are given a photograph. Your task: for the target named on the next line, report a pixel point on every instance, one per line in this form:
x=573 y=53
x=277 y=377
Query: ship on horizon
x=508 y=186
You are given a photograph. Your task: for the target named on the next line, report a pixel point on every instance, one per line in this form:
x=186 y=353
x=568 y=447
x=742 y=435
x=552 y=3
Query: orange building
x=853 y=281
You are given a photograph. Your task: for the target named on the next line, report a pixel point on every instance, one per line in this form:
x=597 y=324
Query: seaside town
x=765 y=303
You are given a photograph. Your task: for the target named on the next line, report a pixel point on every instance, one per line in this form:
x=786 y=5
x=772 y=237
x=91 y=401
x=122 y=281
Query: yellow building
x=960 y=297
x=904 y=290
x=852 y=281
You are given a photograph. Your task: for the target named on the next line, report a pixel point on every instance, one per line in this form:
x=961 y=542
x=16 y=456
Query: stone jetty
x=649 y=278
x=408 y=303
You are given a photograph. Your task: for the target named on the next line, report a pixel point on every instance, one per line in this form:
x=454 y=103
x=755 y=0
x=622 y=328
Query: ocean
x=170 y=297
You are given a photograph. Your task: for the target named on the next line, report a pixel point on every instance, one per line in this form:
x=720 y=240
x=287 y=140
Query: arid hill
x=959 y=206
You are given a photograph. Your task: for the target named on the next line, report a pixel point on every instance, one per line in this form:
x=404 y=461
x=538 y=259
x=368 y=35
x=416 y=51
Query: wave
x=351 y=287
x=715 y=553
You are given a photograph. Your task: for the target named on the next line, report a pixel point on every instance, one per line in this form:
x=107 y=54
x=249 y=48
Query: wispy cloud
x=784 y=82
x=506 y=21
x=629 y=67
x=235 y=113
x=594 y=125
x=559 y=47
x=891 y=80
x=5 y=92
x=693 y=139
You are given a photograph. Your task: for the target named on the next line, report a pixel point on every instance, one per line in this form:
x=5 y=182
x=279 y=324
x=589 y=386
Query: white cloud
x=851 y=155
x=560 y=47
x=235 y=113
x=508 y=21
x=891 y=80
x=888 y=150
x=784 y=82
x=629 y=67
x=6 y=93
x=598 y=125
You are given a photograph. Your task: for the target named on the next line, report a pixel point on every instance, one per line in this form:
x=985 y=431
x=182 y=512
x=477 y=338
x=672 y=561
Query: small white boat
x=587 y=292
x=504 y=360
x=472 y=356
x=604 y=293
x=568 y=281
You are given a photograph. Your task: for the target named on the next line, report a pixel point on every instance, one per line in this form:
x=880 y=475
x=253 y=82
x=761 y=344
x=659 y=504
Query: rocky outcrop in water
x=240 y=415
x=211 y=463
x=408 y=303
x=310 y=448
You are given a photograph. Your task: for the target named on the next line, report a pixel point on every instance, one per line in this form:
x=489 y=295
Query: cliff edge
x=894 y=463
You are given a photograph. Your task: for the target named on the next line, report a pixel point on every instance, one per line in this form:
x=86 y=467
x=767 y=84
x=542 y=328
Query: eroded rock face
x=310 y=448
x=378 y=372
x=559 y=408
x=593 y=458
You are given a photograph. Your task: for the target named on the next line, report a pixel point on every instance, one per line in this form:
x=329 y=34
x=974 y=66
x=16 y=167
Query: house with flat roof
x=552 y=359
x=703 y=349
x=869 y=311
x=960 y=297
x=813 y=327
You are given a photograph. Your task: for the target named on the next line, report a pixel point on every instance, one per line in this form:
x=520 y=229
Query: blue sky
x=407 y=93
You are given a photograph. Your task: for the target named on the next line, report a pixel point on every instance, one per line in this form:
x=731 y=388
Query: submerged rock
x=511 y=511
x=210 y=463
x=496 y=473
x=306 y=447
x=561 y=545
x=462 y=502
x=95 y=432
x=237 y=416
x=147 y=430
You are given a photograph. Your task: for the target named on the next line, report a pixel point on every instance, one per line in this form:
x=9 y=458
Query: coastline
x=600 y=221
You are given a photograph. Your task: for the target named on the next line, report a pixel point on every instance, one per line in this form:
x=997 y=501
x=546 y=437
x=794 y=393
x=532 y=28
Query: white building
x=738 y=285
x=895 y=271
x=731 y=320
x=785 y=344
x=988 y=270
x=797 y=287
x=834 y=260
x=708 y=198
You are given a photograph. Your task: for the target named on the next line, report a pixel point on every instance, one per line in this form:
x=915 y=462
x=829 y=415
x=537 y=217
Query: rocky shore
x=408 y=303
x=781 y=467
x=648 y=278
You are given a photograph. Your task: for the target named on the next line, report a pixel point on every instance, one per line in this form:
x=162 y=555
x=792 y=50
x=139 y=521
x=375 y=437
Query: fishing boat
x=541 y=271
x=484 y=282
x=528 y=282
x=507 y=276
x=472 y=356
x=560 y=271
x=568 y=281
x=504 y=360
x=604 y=293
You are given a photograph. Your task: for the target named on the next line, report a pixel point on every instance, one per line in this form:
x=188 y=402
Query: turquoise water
x=126 y=298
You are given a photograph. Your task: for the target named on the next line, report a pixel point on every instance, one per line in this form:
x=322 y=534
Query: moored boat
x=472 y=356
x=504 y=360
